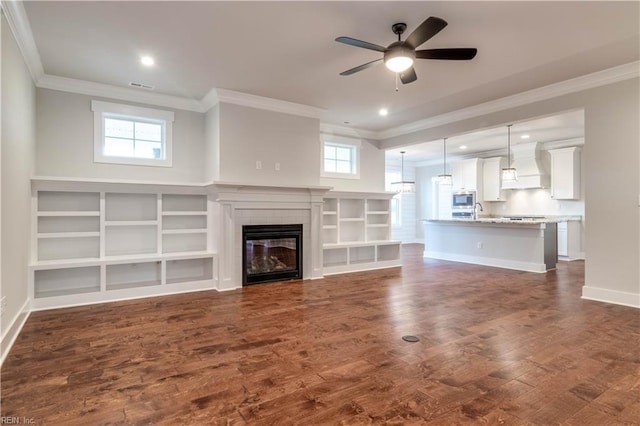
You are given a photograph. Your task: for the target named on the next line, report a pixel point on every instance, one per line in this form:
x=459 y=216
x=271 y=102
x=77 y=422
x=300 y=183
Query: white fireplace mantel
x=238 y=204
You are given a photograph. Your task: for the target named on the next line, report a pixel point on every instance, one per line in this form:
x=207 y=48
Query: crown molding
x=589 y=81
x=19 y=24
x=114 y=92
x=336 y=129
x=269 y=104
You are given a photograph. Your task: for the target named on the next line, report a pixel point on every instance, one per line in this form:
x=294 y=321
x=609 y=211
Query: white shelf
x=184 y=213
x=131 y=223
x=329 y=213
x=184 y=231
x=352 y=219
x=68 y=235
x=378 y=212
x=68 y=213
x=329 y=227
x=377 y=225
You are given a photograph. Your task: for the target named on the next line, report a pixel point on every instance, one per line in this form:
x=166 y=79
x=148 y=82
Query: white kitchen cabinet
x=467 y=176
x=562 y=239
x=492 y=179
x=565 y=173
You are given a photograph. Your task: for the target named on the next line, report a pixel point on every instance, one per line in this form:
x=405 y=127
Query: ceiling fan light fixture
x=399 y=58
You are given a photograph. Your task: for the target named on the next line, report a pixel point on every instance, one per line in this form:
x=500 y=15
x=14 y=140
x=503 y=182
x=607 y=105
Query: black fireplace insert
x=271 y=253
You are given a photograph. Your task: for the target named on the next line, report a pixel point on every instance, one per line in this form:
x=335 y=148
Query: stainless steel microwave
x=463 y=200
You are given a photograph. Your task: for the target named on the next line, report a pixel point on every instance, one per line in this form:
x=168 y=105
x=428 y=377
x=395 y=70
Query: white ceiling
x=286 y=50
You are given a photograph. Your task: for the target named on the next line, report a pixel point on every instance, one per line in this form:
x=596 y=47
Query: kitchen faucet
x=475 y=210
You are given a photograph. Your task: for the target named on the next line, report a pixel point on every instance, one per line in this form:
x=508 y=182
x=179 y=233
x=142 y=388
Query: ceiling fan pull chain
x=396 y=82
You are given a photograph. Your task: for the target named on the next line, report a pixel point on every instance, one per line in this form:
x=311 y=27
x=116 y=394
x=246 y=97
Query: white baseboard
x=11 y=333
x=488 y=261
x=611 y=296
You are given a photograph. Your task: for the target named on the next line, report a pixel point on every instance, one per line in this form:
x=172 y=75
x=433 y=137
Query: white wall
x=248 y=135
x=372 y=166
x=612 y=178
x=406 y=232
x=65 y=142
x=18 y=144
x=424 y=196
x=212 y=144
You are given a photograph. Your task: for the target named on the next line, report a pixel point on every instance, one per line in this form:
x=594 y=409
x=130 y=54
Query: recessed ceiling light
x=525 y=137
x=147 y=60
x=463 y=147
x=383 y=112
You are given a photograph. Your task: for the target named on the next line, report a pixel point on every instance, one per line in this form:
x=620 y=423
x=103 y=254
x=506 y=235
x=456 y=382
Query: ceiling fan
x=400 y=55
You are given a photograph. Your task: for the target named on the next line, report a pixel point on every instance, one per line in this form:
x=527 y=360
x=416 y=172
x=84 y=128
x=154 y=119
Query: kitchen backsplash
x=533 y=202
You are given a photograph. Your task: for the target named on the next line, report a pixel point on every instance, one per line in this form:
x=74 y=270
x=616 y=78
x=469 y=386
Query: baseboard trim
x=611 y=296
x=13 y=331
x=488 y=261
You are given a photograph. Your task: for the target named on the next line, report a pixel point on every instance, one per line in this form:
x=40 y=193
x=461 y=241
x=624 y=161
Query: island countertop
x=524 y=220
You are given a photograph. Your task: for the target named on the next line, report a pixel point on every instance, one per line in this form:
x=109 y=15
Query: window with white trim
x=127 y=134
x=340 y=157
x=396 y=213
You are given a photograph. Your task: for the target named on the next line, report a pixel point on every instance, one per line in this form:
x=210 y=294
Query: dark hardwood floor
x=496 y=347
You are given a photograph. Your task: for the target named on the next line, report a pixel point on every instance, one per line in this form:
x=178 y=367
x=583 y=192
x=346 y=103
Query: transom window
x=340 y=157
x=125 y=134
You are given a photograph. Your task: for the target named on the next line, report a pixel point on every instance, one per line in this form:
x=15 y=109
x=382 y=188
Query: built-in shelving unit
x=117 y=241
x=356 y=232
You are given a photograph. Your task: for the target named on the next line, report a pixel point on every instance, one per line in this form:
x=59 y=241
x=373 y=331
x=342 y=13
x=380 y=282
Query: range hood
x=529 y=161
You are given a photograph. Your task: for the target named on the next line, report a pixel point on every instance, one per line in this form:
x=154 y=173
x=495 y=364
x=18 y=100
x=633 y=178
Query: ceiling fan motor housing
x=398 y=50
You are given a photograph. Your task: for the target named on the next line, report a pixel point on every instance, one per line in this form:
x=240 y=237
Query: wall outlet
x=479 y=245
x=258 y=165
x=277 y=167
x=3 y=305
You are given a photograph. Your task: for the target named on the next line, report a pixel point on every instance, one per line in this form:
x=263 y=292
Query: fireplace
x=271 y=253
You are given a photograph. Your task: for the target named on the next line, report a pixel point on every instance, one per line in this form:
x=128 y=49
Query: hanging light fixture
x=444 y=178
x=403 y=185
x=509 y=174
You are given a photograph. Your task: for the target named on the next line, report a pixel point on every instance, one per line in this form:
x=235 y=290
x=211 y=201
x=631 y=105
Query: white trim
x=119 y=93
x=611 y=296
x=487 y=261
x=12 y=332
x=588 y=81
x=334 y=129
x=21 y=29
x=260 y=102
x=100 y=108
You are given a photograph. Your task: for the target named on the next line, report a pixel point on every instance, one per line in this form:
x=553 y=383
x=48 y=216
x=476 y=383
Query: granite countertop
x=522 y=220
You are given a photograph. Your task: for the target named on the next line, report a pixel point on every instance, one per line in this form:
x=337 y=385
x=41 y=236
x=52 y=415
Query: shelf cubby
x=66 y=281
x=375 y=233
x=184 y=222
x=378 y=219
x=184 y=203
x=185 y=242
x=68 y=202
x=351 y=231
x=182 y=270
x=351 y=208
x=68 y=247
x=330 y=206
x=131 y=207
x=335 y=256
x=57 y=224
x=133 y=275
x=363 y=254
x=388 y=252
x=374 y=205
x=131 y=240
x=330 y=235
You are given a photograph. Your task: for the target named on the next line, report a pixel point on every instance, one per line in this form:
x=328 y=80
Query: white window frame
x=101 y=109
x=354 y=144
x=395 y=211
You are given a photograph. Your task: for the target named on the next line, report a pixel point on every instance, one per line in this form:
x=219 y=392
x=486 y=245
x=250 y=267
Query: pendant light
x=444 y=178
x=509 y=174
x=403 y=185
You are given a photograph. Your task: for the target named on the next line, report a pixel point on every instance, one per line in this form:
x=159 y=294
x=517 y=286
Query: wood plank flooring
x=497 y=347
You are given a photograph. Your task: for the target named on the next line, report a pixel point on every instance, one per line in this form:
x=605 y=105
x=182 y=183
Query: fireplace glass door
x=271 y=253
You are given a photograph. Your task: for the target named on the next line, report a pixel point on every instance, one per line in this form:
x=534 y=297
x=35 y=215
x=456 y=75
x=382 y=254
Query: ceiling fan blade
x=408 y=76
x=454 y=54
x=359 y=43
x=430 y=27
x=361 y=67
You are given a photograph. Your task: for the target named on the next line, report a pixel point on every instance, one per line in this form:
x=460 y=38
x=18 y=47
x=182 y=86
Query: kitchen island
x=525 y=244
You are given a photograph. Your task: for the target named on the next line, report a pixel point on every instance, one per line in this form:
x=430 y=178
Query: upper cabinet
x=565 y=173
x=467 y=176
x=492 y=179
